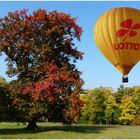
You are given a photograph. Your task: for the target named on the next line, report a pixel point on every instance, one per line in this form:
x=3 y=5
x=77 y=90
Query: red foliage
x=4 y=43
x=56 y=83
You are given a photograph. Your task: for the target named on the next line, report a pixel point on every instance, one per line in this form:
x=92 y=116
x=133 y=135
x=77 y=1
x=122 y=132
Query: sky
x=96 y=69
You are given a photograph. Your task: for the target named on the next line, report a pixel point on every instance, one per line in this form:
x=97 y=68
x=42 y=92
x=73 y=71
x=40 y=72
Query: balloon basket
x=124 y=79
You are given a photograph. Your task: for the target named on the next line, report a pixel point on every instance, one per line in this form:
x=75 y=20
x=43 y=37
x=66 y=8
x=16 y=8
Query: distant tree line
x=105 y=106
x=97 y=106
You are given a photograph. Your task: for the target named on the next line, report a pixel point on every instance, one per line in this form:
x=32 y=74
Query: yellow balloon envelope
x=117 y=35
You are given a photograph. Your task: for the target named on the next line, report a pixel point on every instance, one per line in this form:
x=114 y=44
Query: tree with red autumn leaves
x=41 y=52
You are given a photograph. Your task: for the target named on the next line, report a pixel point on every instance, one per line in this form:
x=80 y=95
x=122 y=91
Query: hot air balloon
x=117 y=35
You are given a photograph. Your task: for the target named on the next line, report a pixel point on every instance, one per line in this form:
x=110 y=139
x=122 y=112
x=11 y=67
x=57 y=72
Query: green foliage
x=120 y=93
x=3 y=82
x=99 y=105
x=110 y=106
x=128 y=110
x=6 y=108
x=136 y=96
x=102 y=105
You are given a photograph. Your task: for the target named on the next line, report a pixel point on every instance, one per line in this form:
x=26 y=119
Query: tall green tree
x=110 y=106
x=128 y=109
x=118 y=96
x=41 y=52
x=120 y=93
x=88 y=108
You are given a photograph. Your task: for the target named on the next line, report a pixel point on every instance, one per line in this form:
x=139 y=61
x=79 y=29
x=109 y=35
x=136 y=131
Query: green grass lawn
x=77 y=131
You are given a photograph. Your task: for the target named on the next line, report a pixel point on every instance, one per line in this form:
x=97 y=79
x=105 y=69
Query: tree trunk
x=100 y=121
x=32 y=124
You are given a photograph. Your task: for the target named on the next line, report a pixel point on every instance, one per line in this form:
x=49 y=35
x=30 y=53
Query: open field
x=79 y=131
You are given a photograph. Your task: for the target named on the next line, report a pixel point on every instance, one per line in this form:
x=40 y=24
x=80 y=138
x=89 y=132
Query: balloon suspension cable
x=124 y=78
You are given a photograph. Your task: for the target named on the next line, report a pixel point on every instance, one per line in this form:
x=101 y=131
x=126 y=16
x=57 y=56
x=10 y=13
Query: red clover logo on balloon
x=128 y=29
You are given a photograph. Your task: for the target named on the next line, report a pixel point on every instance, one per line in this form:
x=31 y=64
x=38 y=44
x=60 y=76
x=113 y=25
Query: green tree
x=88 y=108
x=5 y=100
x=120 y=93
x=118 y=96
x=99 y=105
x=128 y=110
x=110 y=106
x=41 y=52
x=136 y=96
